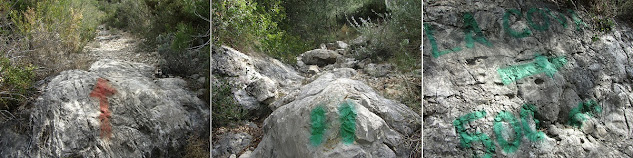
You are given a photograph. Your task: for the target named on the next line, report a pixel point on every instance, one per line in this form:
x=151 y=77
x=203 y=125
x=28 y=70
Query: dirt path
x=119 y=45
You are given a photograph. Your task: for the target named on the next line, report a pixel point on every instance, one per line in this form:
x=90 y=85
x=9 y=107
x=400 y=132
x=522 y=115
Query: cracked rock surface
x=465 y=81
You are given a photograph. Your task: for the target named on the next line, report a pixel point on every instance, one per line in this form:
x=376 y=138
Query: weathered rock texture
x=383 y=127
x=467 y=80
x=150 y=117
x=380 y=123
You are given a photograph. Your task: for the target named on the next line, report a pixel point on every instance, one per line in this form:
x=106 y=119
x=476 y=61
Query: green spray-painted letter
x=544 y=26
x=560 y=17
x=506 y=24
x=526 y=111
x=518 y=131
x=467 y=139
x=434 y=49
x=579 y=114
x=473 y=28
x=576 y=19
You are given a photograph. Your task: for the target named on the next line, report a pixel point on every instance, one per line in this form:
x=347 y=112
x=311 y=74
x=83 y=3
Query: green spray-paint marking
x=535 y=26
x=526 y=111
x=466 y=139
x=434 y=50
x=473 y=28
x=579 y=114
x=506 y=24
x=317 y=120
x=576 y=19
x=560 y=17
x=540 y=65
x=518 y=131
x=348 y=121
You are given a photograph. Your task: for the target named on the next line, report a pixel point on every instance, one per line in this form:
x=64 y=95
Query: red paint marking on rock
x=102 y=90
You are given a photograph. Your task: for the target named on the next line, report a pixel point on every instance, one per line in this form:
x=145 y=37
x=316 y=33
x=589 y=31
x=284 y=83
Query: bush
x=15 y=84
x=245 y=24
x=394 y=36
x=225 y=109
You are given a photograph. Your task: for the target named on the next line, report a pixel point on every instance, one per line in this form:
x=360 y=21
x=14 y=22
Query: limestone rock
x=230 y=144
x=150 y=117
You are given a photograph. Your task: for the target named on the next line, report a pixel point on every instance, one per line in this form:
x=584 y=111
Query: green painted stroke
x=559 y=17
x=348 y=121
x=576 y=19
x=506 y=24
x=526 y=111
x=545 y=18
x=434 y=49
x=498 y=128
x=318 y=123
x=540 y=65
x=466 y=139
x=579 y=114
x=473 y=32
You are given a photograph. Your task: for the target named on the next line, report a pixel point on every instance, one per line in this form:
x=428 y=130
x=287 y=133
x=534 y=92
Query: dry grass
x=197 y=147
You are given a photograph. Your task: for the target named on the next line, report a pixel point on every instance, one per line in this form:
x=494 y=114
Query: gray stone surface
x=466 y=81
x=267 y=78
x=230 y=144
x=150 y=117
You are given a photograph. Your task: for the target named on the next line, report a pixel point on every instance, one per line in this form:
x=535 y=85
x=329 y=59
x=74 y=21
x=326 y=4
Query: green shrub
x=15 y=82
x=394 y=36
x=225 y=109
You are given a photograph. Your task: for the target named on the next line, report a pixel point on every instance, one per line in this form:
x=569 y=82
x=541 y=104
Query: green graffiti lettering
x=541 y=65
x=579 y=114
x=473 y=32
x=498 y=128
x=576 y=19
x=526 y=111
x=544 y=26
x=317 y=121
x=559 y=17
x=347 y=114
x=434 y=49
x=466 y=139
x=506 y=24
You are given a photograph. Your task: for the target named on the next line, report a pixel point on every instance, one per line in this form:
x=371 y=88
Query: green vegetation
x=37 y=37
x=603 y=12
x=15 y=83
x=225 y=109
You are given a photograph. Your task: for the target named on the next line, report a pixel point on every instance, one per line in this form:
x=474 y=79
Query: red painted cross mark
x=101 y=91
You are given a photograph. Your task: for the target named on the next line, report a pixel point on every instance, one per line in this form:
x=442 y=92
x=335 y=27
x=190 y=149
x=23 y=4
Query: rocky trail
x=119 y=45
x=326 y=79
x=120 y=106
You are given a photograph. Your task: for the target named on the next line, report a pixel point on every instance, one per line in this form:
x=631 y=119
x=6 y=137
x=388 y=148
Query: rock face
x=325 y=79
x=470 y=46
x=150 y=117
x=380 y=123
x=256 y=82
x=231 y=143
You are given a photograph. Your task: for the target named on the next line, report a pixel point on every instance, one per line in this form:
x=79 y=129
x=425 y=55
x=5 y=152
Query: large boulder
x=150 y=117
x=381 y=124
x=256 y=81
x=320 y=57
